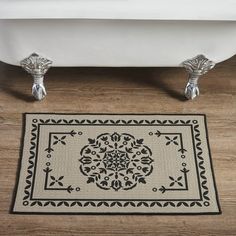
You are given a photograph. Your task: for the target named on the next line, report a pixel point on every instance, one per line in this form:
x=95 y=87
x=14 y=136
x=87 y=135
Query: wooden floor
x=121 y=90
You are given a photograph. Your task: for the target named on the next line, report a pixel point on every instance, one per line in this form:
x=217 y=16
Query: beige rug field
x=115 y=164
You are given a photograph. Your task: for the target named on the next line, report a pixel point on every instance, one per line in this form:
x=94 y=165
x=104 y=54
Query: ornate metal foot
x=37 y=66
x=196 y=67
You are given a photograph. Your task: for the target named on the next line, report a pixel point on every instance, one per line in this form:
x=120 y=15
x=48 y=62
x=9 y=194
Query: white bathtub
x=117 y=33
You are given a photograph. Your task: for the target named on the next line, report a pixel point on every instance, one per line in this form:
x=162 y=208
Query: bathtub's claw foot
x=39 y=91
x=196 y=67
x=191 y=91
x=37 y=66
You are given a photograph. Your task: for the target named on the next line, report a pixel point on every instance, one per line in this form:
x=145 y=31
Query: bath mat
x=115 y=164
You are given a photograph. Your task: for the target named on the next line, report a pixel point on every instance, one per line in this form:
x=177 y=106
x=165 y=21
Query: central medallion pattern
x=116 y=161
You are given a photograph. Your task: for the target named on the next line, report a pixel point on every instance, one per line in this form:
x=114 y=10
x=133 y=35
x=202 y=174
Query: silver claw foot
x=37 y=66
x=196 y=67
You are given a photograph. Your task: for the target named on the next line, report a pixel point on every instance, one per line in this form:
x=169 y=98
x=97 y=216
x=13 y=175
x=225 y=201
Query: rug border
x=13 y=201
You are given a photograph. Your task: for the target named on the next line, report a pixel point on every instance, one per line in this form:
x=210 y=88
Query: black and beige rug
x=115 y=164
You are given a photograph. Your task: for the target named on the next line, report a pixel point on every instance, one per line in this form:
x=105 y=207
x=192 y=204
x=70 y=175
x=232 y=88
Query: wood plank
x=121 y=90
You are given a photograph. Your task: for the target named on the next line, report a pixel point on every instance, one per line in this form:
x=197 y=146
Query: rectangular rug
x=115 y=164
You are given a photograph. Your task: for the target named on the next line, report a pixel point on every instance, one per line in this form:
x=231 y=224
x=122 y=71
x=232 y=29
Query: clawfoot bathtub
x=193 y=34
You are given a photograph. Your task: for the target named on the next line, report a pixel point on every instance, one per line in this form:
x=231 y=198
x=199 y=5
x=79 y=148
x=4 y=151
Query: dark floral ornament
x=116 y=161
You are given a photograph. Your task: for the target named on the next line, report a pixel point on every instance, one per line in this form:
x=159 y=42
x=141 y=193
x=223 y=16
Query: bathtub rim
x=212 y=10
